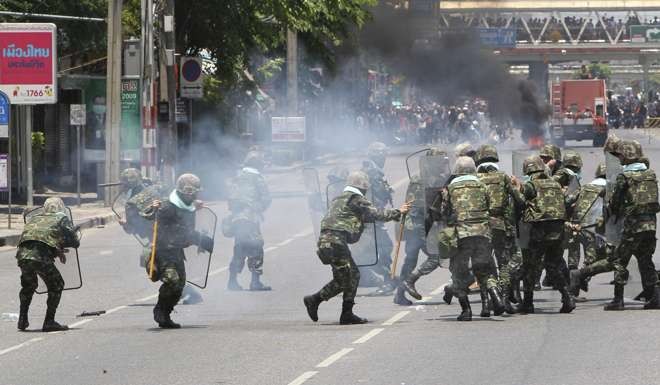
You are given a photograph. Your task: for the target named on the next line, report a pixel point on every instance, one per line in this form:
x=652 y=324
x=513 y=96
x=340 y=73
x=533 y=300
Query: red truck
x=579 y=111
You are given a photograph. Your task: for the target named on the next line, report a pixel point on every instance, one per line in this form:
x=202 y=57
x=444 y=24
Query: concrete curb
x=85 y=223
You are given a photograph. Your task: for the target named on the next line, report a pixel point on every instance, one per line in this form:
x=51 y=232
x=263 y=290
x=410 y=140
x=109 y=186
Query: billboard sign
x=28 y=62
x=4 y=115
x=645 y=33
x=291 y=129
x=497 y=37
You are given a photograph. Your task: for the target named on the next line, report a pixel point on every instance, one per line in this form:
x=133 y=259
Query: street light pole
x=113 y=97
x=168 y=92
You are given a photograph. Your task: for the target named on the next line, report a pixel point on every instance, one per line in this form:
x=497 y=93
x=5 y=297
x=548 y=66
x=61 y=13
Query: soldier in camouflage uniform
x=140 y=197
x=580 y=204
x=415 y=228
x=248 y=200
x=571 y=167
x=465 y=149
x=634 y=200
x=503 y=196
x=465 y=204
x=546 y=212
x=341 y=226
x=44 y=238
x=381 y=193
x=176 y=231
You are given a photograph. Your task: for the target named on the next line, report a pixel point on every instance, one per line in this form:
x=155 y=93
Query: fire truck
x=579 y=109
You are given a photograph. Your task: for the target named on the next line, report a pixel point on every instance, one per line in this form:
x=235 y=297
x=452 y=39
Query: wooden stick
x=152 y=257
x=398 y=247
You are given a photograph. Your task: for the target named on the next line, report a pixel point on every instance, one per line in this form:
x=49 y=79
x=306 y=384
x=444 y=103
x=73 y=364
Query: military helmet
x=54 y=205
x=630 y=150
x=572 y=159
x=377 y=149
x=130 y=178
x=550 y=151
x=486 y=153
x=533 y=164
x=254 y=159
x=611 y=144
x=601 y=171
x=337 y=173
x=434 y=151
x=188 y=184
x=358 y=179
x=464 y=149
x=464 y=165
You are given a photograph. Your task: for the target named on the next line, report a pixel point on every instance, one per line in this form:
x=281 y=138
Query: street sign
x=497 y=37
x=3 y=172
x=190 y=82
x=77 y=114
x=4 y=115
x=644 y=33
x=130 y=136
x=290 y=129
x=28 y=62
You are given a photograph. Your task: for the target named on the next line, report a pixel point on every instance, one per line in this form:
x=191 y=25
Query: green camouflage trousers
x=253 y=251
x=172 y=274
x=508 y=256
x=642 y=246
x=446 y=249
x=587 y=241
x=30 y=269
x=476 y=250
x=345 y=273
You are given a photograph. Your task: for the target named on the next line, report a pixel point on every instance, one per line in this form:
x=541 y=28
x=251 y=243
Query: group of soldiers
x=497 y=231
x=164 y=221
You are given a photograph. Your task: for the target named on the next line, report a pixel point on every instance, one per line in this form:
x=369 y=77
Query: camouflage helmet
x=130 y=178
x=377 y=149
x=464 y=149
x=486 y=153
x=533 y=164
x=188 y=184
x=337 y=173
x=358 y=179
x=550 y=151
x=464 y=165
x=630 y=150
x=54 y=205
x=612 y=144
x=572 y=159
x=601 y=170
x=434 y=151
x=254 y=159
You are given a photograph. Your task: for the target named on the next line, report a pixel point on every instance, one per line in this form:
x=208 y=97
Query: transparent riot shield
x=524 y=228
x=198 y=260
x=614 y=225
x=435 y=172
x=140 y=228
x=593 y=217
x=573 y=184
x=314 y=194
x=365 y=250
x=119 y=203
x=70 y=269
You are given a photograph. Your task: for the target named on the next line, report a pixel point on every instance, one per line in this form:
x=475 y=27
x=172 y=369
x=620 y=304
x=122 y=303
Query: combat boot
x=50 y=325
x=409 y=285
x=527 y=303
x=654 y=302
x=576 y=279
x=496 y=301
x=449 y=294
x=312 y=303
x=508 y=307
x=567 y=301
x=515 y=291
x=167 y=322
x=617 y=301
x=466 y=311
x=23 y=316
x=347 y=317
x=400 y=297
x=232 y=284
x=485 y=309
x=256 y=285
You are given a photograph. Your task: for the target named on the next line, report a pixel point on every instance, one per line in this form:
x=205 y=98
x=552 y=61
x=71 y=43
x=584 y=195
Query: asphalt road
x=266 y=337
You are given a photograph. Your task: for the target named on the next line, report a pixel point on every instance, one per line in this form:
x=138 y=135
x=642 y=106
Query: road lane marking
x=439 y=290
x=218 y=271
x=269 y=249
x=80 y=323
x=285 y=242
x=24 y=344
x=106 y=252
x=426 y=299
x=148 y=298
x=368 y=336
x=114 y=309
x=333 y=358
x=303 y=377
x=396 y=317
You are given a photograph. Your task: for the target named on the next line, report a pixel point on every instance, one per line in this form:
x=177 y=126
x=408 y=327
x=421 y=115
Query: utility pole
x=168 y=153
x=292 y=72
x=113 y=97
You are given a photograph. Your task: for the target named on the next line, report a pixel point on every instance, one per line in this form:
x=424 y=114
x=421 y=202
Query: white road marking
x=115 y=309
x=269 y=249
x=426 y=299
x=145 y=299
x=396 y=318
x=218 y=271
x=106 y=252
x=333 y=358
x=284 y=242
x=302 y=378
x=24 y=344
x=304 y=233
x=439 y=290
x=80 y=323
x=368 y=336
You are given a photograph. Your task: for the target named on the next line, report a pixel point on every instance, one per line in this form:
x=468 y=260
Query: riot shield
x=524 y=228
x=364 y=251
x=614 y=225
x=315 y=202
x=70 y=270
x=434 y=172
x=198 y=261
x=119 y=203
x=592 y=217
x=573 y=184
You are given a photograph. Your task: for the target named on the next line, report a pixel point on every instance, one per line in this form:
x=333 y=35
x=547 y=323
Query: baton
x=152 y=257
x=111 y=184
x=398 y=247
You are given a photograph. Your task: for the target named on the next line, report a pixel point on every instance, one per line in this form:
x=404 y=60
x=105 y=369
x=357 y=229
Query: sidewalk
x=86 y=216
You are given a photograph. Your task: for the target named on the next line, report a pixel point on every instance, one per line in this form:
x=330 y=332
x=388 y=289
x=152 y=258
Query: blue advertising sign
x=4 y=110
x=497 y=37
